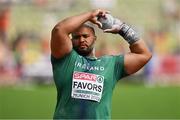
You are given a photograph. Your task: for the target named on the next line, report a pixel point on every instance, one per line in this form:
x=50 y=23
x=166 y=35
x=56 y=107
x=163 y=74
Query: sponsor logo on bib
x=87 y=86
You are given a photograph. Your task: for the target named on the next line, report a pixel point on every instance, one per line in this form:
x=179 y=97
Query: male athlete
x=85 y=83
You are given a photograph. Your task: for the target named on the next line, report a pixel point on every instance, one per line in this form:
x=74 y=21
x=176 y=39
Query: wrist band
x=128 y=34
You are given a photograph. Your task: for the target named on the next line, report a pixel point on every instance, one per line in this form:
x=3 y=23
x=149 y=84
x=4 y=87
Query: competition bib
x=87 y=86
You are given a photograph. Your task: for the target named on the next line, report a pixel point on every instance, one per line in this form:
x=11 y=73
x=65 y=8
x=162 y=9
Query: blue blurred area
x=25 y=31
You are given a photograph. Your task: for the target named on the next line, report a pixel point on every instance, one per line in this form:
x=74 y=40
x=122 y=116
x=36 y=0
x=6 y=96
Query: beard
x=84 y=51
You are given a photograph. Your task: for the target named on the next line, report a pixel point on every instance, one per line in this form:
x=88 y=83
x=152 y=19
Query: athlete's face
x=83 y=40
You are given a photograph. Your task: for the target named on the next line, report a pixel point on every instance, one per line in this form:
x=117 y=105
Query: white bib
x=87 y=86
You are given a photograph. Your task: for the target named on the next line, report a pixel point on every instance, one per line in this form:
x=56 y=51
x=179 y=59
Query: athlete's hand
x=116 y=27
x=98 y=13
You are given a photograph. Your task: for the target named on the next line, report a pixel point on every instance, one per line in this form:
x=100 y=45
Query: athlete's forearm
x=137 y=45
x=70 y=24
x=139 y=54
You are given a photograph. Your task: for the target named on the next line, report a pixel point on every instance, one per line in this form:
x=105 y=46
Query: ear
x=95 y=38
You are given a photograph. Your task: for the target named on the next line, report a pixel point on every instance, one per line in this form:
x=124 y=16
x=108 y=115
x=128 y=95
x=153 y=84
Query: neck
x=92 y=54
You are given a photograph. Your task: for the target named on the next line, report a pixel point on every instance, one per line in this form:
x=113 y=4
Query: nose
x=81 y=39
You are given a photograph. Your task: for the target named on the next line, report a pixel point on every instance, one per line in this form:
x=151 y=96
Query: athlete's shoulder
x=111 y=56
x=72 y=54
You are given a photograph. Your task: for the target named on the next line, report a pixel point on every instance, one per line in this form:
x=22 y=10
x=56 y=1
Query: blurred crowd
x=164 y=68
x=25 y=54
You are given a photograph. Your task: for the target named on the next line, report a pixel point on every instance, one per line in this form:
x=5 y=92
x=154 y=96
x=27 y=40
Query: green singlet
x=85 y=85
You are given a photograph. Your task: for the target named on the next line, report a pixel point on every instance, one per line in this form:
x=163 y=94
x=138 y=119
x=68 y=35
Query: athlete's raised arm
x=139 y=54
x=60 y=41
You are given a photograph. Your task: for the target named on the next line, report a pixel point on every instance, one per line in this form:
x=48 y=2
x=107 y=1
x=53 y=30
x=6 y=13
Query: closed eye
x=74 y=37
x=85 y=36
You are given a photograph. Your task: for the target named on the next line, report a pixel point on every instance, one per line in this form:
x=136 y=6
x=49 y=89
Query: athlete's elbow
x=57 y=29
x=145 y=58
x=148 y=56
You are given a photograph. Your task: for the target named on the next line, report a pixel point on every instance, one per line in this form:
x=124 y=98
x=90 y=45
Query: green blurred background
x=129 y=102
x=27 y=90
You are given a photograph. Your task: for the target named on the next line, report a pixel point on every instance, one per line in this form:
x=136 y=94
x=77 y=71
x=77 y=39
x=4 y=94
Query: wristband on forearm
x=128 y=34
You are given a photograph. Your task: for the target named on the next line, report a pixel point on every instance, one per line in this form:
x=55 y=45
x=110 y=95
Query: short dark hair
x=88 y=26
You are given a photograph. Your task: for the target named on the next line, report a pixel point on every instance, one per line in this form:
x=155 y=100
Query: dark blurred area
x=25 y=31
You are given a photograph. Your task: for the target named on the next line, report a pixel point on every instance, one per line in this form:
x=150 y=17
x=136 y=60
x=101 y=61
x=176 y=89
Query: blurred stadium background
x=26 y=85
